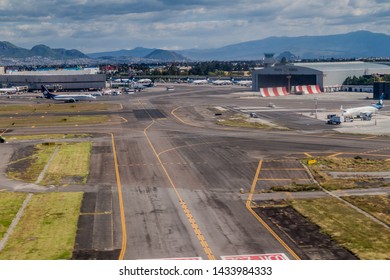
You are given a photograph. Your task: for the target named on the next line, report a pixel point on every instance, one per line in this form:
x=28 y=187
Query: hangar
x=66 y=79
x=328 y=76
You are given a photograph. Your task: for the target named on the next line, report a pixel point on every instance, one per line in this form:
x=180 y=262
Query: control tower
x=269 y=60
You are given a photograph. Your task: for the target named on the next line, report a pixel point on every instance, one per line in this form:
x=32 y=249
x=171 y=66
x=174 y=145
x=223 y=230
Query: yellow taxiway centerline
x=121 y=208
x=189 y=216
x=248 y=206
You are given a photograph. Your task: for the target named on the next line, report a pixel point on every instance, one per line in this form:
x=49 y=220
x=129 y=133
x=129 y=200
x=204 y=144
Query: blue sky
x=103 y=25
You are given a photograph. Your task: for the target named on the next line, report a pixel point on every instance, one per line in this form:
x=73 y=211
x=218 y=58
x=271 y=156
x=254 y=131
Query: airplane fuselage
x=74 y=98
x=356 y=112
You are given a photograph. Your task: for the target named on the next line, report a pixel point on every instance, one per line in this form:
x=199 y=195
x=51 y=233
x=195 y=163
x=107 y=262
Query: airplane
x=200 y=82
x=222 y=82
x=9 y=90
x=357 y=112
x=244 y=83
x=145 y=82
x=66 y=98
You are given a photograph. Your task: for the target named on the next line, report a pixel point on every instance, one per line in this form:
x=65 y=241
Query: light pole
x=315 y=106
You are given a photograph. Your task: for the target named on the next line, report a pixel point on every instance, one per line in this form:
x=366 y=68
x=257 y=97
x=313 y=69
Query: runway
x=173 y=187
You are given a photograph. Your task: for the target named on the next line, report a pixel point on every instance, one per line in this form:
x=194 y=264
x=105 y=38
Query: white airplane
x=9 y=90
x=200 y=82
x=145 y=82
x=359 y=111
x=222 y=82
x=66 y=98
x=244 y=83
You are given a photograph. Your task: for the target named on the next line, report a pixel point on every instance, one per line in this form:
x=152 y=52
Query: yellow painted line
x=248 y=206
x=253 y=187
x=5 y=130
x=369 y=137
x=124 y=119
x=307 y=154
x=121 y=208
x=177 y=117
x=192 y=221
x=335 y=155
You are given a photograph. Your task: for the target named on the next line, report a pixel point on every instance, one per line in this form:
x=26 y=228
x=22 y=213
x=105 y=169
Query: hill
x=168 y=56
x=350 y=45
x=8 y=50
x=136 y=52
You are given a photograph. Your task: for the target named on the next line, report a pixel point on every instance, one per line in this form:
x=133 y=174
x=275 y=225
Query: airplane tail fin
x=379 y=105
x=46 y=93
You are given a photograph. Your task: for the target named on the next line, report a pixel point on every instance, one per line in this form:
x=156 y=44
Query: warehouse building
x=64 y=79
x=327 y=76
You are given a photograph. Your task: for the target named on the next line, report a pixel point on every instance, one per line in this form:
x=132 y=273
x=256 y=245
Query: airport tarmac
x=170 y=179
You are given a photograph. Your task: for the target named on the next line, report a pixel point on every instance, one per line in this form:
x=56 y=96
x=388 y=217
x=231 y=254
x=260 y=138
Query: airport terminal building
x=64 y=79
x=328 y=76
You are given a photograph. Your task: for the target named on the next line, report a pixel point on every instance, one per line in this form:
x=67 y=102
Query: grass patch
x=357 y=164
x=351 y=229
x=52 y=120
x=47 y=229
x=69 y=165
x=29 y=167
x=10 y=204
x=376 y=205
x=240 y=121
x=294 y=187
x=56 y=108
x=324 y=165
x=45 y=136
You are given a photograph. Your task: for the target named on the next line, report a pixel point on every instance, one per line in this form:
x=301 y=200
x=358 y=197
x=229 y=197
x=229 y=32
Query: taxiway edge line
x=120 y=196
x=248 y=206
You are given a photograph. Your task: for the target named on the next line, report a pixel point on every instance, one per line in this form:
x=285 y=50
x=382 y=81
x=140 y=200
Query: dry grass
x=44 y=136
x=47 y=229
x=240 y=121
x=324 y=165
x=376 y=205
x=351 y=229
x=10 y=204
x=69 y=165
x=28 y=168
x=56 y=108
x=52 y=120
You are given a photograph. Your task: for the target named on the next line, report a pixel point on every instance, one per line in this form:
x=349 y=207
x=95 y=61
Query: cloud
x=98 y=25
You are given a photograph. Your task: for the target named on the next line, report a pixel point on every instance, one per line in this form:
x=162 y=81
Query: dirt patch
x=95 y=255
x=301 y=235
x=21 y=160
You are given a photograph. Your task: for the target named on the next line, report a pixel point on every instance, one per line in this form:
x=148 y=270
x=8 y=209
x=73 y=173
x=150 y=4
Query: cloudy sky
x=103 y=25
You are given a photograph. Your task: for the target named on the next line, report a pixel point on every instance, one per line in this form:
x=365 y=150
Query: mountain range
x=8 y=50
x=360 y=44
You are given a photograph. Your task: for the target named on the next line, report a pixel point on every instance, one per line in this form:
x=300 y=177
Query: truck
x=334 y=120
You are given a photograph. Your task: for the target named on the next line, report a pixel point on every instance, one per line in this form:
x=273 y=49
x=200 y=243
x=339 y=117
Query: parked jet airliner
x=64 y=97
x=358 y=111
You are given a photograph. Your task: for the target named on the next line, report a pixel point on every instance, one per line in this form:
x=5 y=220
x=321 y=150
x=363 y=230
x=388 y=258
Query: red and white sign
x=308 y=89
x=261 y=257
x=186 y=259
x=275 y=91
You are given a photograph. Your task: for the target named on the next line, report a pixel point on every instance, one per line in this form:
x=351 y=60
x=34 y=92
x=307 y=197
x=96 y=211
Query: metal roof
x=369 y=67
